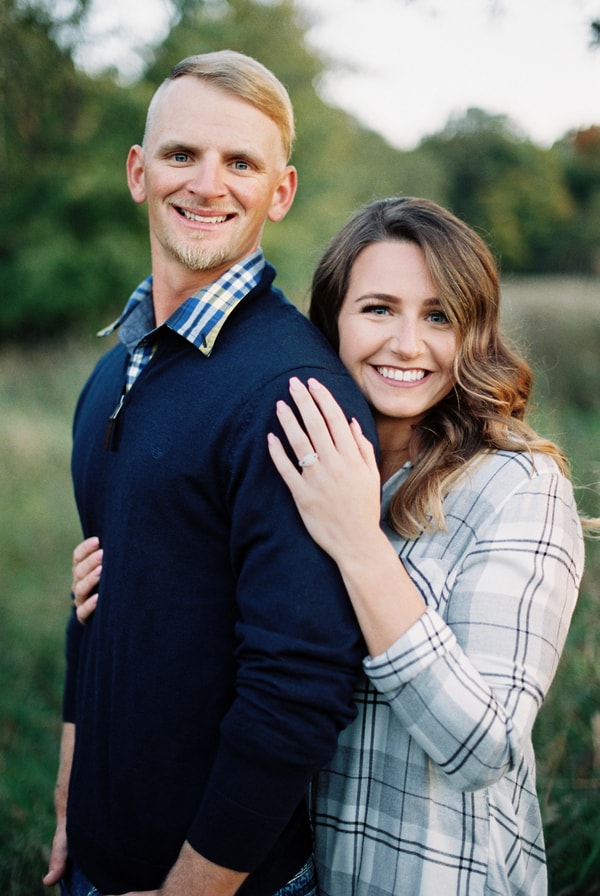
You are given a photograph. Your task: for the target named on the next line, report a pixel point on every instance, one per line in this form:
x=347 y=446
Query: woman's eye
x=375 y=309
x=437 y=317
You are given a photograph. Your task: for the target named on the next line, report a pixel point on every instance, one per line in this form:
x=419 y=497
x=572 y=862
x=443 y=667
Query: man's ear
x=135 y=174
x=284 y=194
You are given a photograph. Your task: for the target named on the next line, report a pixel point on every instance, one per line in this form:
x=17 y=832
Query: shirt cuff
x=424 y=642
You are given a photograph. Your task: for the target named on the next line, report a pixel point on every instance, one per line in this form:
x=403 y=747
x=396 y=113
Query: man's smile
x=202 y=218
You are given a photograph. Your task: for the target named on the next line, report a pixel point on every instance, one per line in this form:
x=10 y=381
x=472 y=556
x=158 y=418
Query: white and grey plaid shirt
x=432 y=789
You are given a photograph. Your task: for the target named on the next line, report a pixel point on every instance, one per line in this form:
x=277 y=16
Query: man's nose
x=207 y=179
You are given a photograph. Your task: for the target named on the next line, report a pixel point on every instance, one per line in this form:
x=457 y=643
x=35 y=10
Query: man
x=218 y=667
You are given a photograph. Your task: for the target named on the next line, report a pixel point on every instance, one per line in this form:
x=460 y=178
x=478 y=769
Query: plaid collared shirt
x=432 y=788
x=199 y=319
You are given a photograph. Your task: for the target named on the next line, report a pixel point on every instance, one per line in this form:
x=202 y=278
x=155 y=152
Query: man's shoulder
x=273 y=329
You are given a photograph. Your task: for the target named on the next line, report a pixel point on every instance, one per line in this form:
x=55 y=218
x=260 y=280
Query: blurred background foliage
x=72 y=247
x=72 y=242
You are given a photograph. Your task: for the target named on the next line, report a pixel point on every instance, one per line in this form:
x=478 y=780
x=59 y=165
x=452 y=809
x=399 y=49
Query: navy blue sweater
x=218 y=668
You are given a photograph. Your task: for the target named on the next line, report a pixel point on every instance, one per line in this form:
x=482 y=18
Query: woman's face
x=394 y=337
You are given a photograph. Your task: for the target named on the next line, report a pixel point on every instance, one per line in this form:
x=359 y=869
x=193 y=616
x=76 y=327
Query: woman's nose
x=406 y=340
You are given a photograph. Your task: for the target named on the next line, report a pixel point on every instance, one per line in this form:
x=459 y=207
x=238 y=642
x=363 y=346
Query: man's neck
x=171 y=286
x=167 y=297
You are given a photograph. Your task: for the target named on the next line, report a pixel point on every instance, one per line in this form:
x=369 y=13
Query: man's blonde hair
x=247 y=79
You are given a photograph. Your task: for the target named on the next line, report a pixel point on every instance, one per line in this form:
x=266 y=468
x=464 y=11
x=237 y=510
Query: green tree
x=65 y=234
x=505 y=186
x=72 y=244
x=579 y=152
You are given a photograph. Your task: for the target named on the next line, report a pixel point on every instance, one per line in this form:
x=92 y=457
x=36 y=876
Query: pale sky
x=402 y=67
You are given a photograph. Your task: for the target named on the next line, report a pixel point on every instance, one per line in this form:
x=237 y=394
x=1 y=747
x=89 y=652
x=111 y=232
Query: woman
x=464 y=592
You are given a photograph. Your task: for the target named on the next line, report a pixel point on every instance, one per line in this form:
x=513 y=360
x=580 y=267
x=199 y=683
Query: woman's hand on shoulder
x=335 y=481
x=87 y=568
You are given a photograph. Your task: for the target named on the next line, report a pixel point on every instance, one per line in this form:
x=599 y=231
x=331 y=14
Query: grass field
x=558 y=321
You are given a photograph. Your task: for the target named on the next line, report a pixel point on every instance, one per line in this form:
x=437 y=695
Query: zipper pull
x=111 y=429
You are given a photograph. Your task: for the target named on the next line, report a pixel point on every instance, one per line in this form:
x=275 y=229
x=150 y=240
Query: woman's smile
x=394 y=336
x=401 y=376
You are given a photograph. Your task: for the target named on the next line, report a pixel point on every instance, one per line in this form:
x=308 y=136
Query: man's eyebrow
x=173 y=146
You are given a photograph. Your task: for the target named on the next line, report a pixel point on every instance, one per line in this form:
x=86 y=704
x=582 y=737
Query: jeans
x=303 y=884
x=76 y=884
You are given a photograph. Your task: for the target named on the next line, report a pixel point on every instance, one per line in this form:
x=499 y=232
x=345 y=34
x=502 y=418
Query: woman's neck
x=391 y=460
x=394 y=441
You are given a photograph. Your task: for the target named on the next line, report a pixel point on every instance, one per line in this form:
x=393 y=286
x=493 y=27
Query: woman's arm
x=468 y=681
x=338 y=498
x=467 y=685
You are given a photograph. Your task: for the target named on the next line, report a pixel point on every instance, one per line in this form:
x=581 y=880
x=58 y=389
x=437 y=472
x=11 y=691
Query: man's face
x=212 y=170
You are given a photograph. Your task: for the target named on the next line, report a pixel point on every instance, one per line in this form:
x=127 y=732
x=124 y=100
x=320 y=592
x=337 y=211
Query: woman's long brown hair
x=486 y=409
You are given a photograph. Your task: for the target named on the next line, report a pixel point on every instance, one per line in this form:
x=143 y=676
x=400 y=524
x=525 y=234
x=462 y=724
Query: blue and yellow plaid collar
x=200 y=318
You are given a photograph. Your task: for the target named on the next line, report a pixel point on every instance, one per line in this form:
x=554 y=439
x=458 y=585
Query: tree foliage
x=513 y=191
x=65 y=220
x=73 y=245
x=579 y=152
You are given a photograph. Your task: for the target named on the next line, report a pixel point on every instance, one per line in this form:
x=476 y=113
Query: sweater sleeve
x=298 y=649
x=468 y=686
